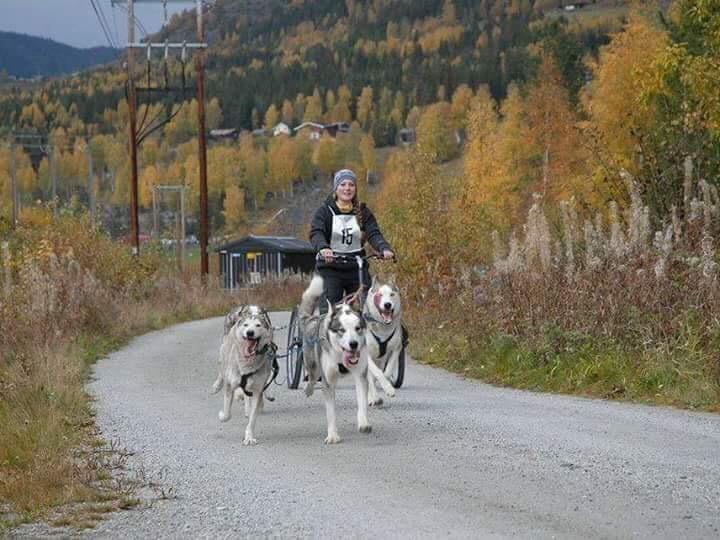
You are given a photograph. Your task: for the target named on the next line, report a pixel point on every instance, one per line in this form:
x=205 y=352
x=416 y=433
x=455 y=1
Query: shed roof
x=309 y=124
x=282 y=244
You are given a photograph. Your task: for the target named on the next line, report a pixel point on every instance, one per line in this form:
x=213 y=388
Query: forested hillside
x=408 y=52
x=29 y=56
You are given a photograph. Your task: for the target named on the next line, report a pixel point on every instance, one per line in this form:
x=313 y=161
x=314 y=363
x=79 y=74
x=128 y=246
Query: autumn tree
x=326 y=156
x=434 y=138
x=254 y=162
x=553 y=138
x=365 y=108
x=459 y=106
x=271 y=117
x=314 y=108
x=234 y=208
x=287 y=112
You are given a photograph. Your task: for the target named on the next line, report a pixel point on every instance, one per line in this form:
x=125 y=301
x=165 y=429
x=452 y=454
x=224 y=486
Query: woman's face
x=345 y=191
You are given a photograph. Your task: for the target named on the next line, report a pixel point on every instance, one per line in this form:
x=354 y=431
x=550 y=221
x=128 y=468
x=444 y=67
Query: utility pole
x=202 y=149
x=13 y=167
x=156 y=217
x=91 y=185
x=132 y=103
x=132 y=92
x=53 y=178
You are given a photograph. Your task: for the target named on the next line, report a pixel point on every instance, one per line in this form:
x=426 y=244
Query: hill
x=24 y=56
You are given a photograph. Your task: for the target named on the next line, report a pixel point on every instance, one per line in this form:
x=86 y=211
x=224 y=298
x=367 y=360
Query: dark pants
x=340 y=283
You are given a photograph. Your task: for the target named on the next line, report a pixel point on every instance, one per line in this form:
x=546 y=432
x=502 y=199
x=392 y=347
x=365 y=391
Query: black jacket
x=321 y=231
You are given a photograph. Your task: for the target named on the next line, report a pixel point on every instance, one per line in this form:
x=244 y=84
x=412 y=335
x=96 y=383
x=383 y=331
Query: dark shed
x=252 y=257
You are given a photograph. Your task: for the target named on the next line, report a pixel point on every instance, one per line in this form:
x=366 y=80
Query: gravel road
x=447 y=457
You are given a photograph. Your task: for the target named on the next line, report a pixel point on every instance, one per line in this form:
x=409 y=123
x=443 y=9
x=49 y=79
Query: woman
x=341 y=226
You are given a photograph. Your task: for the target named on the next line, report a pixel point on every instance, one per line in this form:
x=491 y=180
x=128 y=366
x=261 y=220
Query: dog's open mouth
x=249 y=347
x=350 y=358
x=387 y=315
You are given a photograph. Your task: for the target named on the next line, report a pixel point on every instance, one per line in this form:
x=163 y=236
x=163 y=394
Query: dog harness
x=271 y=350
x=382 y=344
x=345 y=237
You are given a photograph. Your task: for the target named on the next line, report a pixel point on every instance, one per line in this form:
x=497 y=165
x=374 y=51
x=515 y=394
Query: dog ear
x=355 y=303
x=373 y=283
x=331 y=307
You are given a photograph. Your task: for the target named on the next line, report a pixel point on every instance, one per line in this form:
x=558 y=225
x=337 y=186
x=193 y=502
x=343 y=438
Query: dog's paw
x=249 y=441
x=365 y=428
x=332 y=438
x=217 y=385
x=223 y=417
x=309 y=390
x=375 y=402
x=389 y=392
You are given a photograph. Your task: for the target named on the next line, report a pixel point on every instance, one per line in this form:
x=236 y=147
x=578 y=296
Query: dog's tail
x=311 y=296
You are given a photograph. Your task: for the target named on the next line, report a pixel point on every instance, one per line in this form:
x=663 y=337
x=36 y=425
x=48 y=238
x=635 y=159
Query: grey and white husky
x=383 y=313
x=245 y=363
x=334 y=345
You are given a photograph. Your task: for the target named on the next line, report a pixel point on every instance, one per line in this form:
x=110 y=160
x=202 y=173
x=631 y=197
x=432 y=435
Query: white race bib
x=345 y=233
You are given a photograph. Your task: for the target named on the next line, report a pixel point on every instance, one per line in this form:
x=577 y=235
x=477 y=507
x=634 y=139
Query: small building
x=281 y=129
x=312 y=129
x=231 y=134
x=253 y=258
x=406 y=136
x=337 y=127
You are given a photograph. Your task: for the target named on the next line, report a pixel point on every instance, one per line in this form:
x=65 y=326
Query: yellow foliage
x=234 y=207
x=434 y=134
x=621 y=74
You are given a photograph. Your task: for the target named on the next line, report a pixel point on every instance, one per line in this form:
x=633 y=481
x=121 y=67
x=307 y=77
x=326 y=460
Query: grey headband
x=341 y=176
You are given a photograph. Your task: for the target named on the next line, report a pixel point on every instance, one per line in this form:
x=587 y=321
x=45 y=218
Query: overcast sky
x=74 y=22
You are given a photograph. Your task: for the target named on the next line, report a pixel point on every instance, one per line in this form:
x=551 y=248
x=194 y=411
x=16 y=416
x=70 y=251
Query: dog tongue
x=349 y=358
x=387 y=316
x=250 y=346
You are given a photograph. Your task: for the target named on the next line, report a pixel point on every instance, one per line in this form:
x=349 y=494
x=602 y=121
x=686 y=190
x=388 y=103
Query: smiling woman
x=341 y=226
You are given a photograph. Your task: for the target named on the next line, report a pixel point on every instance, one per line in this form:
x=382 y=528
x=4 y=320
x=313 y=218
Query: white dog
x=247 y=359
x=383 y=312
x=334 y=345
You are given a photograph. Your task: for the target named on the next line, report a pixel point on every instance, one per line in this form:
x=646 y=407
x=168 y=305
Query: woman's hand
x=327 y=254
x=387 y=254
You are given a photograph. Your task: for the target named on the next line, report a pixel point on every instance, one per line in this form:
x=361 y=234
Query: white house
x=281 y=129
x=313 y=129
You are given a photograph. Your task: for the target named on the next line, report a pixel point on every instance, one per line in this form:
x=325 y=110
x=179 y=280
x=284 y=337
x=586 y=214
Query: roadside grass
x=69 y=297
x=568 y=363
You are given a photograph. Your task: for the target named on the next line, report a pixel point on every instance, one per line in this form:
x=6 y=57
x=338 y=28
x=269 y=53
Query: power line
x=137 y=22
x=102 y=25
x=115 y=25
x=105 y=20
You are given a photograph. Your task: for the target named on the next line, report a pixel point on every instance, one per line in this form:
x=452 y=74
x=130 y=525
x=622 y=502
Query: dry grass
x=69 y=296
x=604 y=307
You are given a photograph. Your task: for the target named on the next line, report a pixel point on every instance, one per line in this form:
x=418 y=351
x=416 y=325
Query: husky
x=382 y=312
x=247 y=360
x=334 y=345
